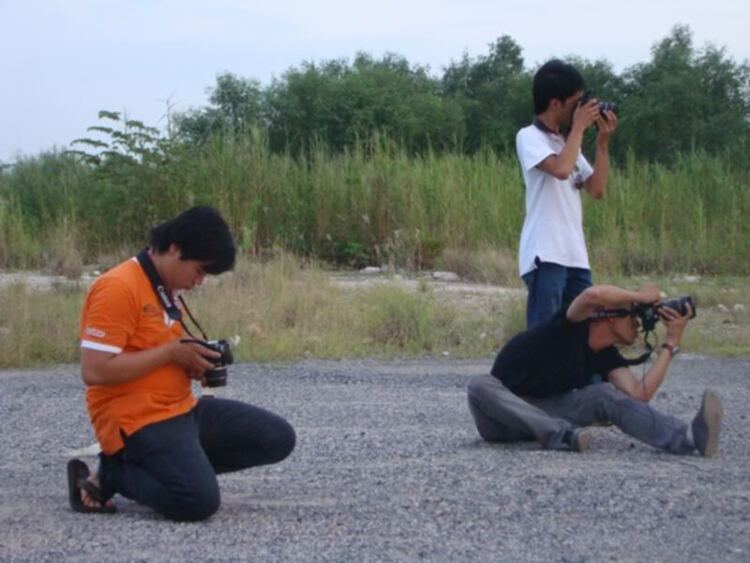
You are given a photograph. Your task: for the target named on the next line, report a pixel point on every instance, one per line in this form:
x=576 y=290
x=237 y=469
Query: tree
x=495 y=93
x=237 y=104
x=340 y=104
x=683 y=100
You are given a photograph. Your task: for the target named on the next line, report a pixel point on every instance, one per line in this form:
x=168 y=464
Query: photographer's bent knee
x=194 y=506
x=477 y=386
x=284 y=439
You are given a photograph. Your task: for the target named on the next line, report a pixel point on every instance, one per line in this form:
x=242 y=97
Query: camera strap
x=643 y=357
x=539 y=124
x=163 y=295
x=609 y=314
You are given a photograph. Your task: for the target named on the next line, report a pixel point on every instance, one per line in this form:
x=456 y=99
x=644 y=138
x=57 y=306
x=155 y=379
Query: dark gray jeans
x=171 y=466
x=501 y=416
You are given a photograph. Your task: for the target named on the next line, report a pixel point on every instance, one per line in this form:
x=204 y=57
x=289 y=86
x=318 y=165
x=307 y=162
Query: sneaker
x=707 y=424
x=578 y=439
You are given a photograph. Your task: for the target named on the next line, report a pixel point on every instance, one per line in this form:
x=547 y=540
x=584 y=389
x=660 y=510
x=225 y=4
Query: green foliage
x=372 y=205
x=38 y=326
x=401 y=320
x=236 y=105
x=133 y=178
x=494 y=92
x=341 y=105
x=683 y=99
x=378 y=162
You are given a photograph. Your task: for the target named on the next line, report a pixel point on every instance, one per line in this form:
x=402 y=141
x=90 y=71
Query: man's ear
x=174 y=251
x=554 y=104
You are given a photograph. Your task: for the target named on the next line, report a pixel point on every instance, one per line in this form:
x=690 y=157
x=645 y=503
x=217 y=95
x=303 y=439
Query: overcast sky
x=63 y=61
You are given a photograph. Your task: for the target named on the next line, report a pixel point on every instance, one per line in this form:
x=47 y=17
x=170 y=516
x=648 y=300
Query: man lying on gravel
x=543 y=383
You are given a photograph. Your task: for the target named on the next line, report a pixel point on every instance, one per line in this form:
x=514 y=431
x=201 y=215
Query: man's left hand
x=606 y=123
x=675 y=323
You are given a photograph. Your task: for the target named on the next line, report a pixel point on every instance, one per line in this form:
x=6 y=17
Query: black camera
x=603 y=106
x=649 y=314
x=216 y=376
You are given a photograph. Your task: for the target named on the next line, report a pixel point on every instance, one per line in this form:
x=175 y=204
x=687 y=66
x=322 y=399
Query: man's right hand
x=192 y=356
x=585 y=115
x=648 y=293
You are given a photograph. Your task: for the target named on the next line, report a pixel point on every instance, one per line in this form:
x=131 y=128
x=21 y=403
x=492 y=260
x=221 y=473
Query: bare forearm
x=613 y=296
x=655 y=375
x=569 y=155
x=105 y=369
x=596 y=186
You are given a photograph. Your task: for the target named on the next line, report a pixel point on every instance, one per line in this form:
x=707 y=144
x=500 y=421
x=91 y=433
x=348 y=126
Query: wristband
x=672 y=349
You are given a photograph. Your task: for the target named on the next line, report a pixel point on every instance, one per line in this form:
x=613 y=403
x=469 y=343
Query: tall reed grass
x=371 y=205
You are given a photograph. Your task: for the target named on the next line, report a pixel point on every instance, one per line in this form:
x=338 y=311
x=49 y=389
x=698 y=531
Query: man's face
x=189 y=273
x=183 y=274
x=567 y=109
x=626 y=329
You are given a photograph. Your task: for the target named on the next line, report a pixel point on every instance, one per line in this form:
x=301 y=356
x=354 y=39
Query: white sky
x=63 y=61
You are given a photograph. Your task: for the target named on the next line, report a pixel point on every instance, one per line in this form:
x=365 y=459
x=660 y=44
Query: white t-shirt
x=553 y=227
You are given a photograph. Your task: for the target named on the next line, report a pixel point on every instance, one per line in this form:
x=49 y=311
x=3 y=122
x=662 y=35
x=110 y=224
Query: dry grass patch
x=38 y=327
x=283 y=309
x=489 y=265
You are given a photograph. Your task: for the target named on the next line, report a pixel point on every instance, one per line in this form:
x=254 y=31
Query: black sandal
x=78 y=480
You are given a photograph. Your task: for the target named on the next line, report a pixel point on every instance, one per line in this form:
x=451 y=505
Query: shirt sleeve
x=584 y=168
x=531 y=148
x=110 y=316
x=610 y=359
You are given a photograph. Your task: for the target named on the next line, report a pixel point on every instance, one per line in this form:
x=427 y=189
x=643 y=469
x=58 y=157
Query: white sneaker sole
x=713 y=412
x=583 y=441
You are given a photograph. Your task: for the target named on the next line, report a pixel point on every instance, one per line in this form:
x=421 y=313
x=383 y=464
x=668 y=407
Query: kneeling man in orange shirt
x=160 y=445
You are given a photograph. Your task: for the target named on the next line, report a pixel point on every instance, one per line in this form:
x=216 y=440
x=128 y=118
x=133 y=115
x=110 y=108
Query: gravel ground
x=388 y=466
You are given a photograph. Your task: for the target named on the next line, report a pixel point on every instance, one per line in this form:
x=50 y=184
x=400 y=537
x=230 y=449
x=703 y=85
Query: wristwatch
x=672 y=348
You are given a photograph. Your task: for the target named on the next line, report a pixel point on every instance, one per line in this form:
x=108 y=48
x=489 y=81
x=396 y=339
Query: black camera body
x=216 y=376
x=603 y=106
x=649 y=314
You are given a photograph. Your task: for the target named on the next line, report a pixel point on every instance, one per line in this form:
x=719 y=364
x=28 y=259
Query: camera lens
x=216 y=377
x=680 y=304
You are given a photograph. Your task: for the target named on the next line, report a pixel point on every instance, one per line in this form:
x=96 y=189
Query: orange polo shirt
x=122 y=314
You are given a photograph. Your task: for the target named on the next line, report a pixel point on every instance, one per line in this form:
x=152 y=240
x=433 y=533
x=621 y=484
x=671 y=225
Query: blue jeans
x=171 y=466
x=552 y=287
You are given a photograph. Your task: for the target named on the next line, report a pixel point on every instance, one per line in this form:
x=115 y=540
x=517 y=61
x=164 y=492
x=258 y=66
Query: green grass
x=371 y=205
x=39 y=327
x=722 y=324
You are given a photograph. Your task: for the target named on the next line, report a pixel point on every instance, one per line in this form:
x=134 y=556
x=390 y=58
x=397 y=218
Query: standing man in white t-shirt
x=552 y=258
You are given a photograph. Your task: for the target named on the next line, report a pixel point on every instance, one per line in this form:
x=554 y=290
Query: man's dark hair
x=201 y=234
x=555 y=80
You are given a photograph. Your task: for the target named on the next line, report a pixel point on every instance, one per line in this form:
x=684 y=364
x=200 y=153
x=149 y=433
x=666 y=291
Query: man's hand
x=585 y=115
x=193 y=357
x=648 y=293
x=675 y=323
x=606 y=125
